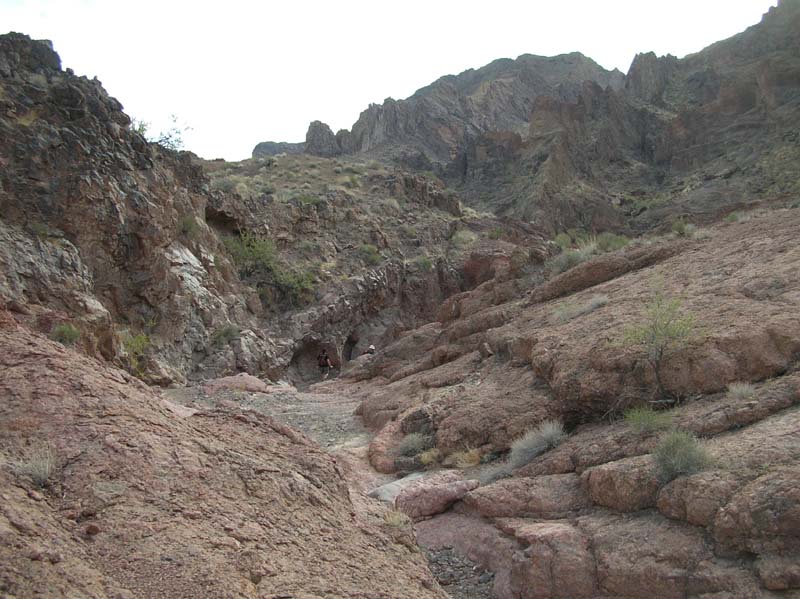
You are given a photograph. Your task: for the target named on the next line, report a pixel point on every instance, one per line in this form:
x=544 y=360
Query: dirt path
x=329 y=418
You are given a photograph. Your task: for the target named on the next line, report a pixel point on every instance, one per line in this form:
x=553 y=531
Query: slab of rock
x=779 y=573
x=434 y=494
x=556 y=564
x=553 y=496
x=240 y=382
x=388 y=492
x=697 y=498
x=764 y=516
x=625 y=485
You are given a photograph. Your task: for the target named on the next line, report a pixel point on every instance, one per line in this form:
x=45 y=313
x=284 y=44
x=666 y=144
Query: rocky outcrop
x=271 y=148
x=111 y=491
x=320 y=141
x=110 y=230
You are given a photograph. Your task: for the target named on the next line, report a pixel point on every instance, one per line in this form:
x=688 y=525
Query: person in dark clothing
x=324 y=363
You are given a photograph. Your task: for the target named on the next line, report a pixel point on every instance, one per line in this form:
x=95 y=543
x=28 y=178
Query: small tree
x=665 y=330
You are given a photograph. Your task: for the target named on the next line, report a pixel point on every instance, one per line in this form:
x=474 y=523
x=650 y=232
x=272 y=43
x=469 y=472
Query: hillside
x=564 y=144
x=583 y=293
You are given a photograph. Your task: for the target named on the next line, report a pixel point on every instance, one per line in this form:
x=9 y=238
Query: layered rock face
x=440 y=121
x=103 y=228
x=108 y=490
x=596 y=517
x=126 y=241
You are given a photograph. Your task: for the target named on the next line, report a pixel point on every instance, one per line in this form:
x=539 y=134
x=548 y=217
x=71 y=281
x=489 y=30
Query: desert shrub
x=413 y=444
x=188 y=226
x=296 y=286
x=65 y=333
x=679 y=227
x=547 y=435
x=307 y=199
x=741 y=390
x=609 y=242
x=423 y=263
x=391 y=204
x=396 y=519
x=408 y=231
x=370 y=254
x=563 y=240
x=136 y=346
x=41 y=230
x=646 y=419
x=690 y=230
x=568 y=311
x=464 y=459
x=664 y=330
x=733 y=217
x=429 y=456
x=570 y=258
x=495 y=233
x=494 y=472
x=40 y=466
x=352 y=182
x=463 y=238
x=223 y=184
x=680 y=453
x=250 y=252
x=224 y=335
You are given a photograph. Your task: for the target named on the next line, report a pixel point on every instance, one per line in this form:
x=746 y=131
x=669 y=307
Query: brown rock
x=243 y=483
x=239 y=382
x=556 y=564
x=433 y=495
x=625 y=485
x=779 y=573
x=553 y=496
x=763 y=516
x=697 y=498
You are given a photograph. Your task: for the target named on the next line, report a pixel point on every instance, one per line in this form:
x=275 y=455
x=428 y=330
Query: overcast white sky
x=241 y=72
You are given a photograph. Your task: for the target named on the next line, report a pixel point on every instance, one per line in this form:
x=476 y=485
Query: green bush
x=463 y=238
x=296 y=287
x=136 y=346
x=65 y=333
x=733 y=217
x=665 y=329
x=370 y=254
x=414 y=444
x=189 y=226
x=563 y=240
x=495 y=233
x=679 y=227
x=423 y=263
x=609 y=242
x=308 y=199
x=570 y=258
x=547 y=435
x=646 y=419
x=41 y=230
x=251 y=252
x=680 y=453
x=224 y=335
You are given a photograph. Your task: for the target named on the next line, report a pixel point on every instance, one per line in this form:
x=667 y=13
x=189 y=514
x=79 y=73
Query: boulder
x=625 y=485
x=555 y=496
x=433 y=494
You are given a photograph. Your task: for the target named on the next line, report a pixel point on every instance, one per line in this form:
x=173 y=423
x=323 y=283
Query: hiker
x=370 y=351
x=324 y=363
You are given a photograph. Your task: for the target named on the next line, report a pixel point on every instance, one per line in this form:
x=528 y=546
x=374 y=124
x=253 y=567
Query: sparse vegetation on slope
x=680 y=453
